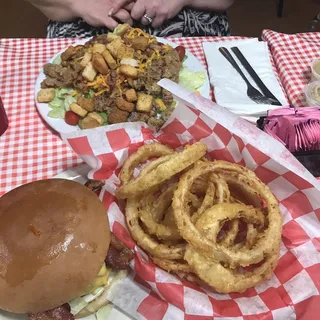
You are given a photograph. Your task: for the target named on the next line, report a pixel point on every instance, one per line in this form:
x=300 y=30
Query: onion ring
x=172 y=265
x=144 y=153
x=226 y=280
x=153 y=210
x=144 y=240
x=211 y=220
x=228 y=239
x=269 y=238
x=178 y=162
x=217 y=192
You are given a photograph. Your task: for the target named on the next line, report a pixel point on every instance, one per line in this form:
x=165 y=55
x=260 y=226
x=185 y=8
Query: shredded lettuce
x=77 y=304
x=191 y=80
x=91 y=296
x=61 y=103
x=104 y=116
x=56 y=103
x=68 y=101
x=62 y=93
x=90 y=94
x=57 y=59
x=104 y=312
x=57 y=113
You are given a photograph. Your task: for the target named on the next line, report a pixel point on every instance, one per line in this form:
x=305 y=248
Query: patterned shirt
x=188 y=23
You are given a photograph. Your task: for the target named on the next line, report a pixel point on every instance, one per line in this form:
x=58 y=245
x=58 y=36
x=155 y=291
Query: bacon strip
x=118 y=256
x=59 y=313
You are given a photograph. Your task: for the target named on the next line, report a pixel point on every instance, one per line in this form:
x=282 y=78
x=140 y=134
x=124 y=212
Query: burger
x=58 y=258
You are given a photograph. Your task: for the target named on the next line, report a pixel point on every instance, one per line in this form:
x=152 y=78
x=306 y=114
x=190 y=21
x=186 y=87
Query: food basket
x=151 y=293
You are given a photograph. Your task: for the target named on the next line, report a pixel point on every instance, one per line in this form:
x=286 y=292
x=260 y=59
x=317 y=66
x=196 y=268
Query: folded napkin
x=293 y=54
x=230 y=90
x=298 y=131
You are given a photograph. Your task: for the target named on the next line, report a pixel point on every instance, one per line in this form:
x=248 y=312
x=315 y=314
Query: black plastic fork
x=254 y=94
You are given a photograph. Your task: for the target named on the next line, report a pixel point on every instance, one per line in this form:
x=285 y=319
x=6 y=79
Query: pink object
x=299 y=131
x=3 y=119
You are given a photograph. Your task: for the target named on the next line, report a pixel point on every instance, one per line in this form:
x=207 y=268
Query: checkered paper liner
x=151 y=293
x=293 y=54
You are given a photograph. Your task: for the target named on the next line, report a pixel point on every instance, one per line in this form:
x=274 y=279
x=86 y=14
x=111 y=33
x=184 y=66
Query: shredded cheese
x=101 y=92
x=74 y=93
x=136 y=32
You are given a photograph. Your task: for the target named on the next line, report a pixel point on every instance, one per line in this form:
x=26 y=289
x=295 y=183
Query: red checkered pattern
x=293 y=55
x=30 y=150
x=293 y=290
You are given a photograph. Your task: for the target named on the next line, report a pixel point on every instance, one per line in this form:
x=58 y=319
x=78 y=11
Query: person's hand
x=95 y=12
x=158 y=10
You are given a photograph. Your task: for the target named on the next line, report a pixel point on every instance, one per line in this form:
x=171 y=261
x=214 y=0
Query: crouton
x=125 y=52
x=46 y=95
x=99 y=63
x=128 y=71
x=139 y=43
x=117 y=116
x=109 y=59
x=111 y=37
x=121 y=29
x=98 y=47
x=86 y=104
x=124 y=105
x=78 y=110
x=96 y=116
x=88 y=123
x=131 y=95
x=66 y=55
x=89 y=72
x=114 y=47
x=92 y=120
x=86 y=59
x=144 y=102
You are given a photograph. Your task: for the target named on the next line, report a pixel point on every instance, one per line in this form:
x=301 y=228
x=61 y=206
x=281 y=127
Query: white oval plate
x=62 y=127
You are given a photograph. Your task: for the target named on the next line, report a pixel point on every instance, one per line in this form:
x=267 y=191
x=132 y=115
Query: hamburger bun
x=54 y=237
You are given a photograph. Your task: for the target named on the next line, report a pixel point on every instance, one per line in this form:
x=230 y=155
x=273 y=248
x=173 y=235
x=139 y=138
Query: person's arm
x=58 y=10
x=161 y=10
x=94 y=12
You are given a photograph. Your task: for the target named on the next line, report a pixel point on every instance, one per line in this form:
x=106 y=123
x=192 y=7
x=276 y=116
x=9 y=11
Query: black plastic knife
x=255 y=77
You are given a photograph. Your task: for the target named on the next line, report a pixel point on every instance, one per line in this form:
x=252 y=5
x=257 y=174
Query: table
x=30 y=150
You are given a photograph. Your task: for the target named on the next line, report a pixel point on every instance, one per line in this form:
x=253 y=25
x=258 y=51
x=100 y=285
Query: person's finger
x=158 y=20
x=129 y=6
x=138 y=10
x=117 y=5
x=110 y=23
x=123 y=16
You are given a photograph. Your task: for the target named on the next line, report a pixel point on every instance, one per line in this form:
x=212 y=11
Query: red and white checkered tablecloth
x=30 y=150
x=293 y=54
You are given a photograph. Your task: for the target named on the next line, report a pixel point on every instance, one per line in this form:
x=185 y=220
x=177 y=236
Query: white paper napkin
x=229 y=88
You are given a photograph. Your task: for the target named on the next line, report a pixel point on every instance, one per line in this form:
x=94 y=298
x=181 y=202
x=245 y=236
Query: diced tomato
x=71 y=118
x=181 y=51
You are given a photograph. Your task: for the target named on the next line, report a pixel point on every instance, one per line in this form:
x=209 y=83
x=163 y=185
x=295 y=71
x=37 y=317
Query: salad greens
x=191 y=80
x=57 y=59
x=61 y=103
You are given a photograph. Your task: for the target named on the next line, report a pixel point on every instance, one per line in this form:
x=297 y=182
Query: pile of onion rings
x=213 y=222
